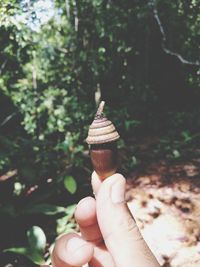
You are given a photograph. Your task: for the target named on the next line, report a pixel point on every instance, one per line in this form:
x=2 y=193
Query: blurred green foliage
x=37 y=244
x=142 y=56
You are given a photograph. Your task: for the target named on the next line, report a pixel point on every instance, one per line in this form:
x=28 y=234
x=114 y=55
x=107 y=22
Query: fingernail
x=75 y=243
x=82 y=200
x=118 y=192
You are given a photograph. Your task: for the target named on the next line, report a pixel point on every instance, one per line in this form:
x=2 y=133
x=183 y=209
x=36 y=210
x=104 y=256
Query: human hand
x=109 y=234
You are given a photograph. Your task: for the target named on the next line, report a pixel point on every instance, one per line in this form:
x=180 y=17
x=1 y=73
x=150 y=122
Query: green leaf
x=34 y=256
x=63 y=224
x=187 y=136
x=46 y=209
x=37 y=244
x=36 y=239
x=19 y=250
x=71 y=209
x=176 y=153
x=70 y=184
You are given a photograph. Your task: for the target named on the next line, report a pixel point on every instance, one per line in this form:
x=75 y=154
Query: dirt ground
x=165 y=201
x=164 y=197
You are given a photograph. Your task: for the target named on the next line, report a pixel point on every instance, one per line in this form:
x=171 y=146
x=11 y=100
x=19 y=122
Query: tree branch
x=8 y=118
x=34 y=71
x=164 y=38
x=3 y=66
x=67 y=7
x=76 y=18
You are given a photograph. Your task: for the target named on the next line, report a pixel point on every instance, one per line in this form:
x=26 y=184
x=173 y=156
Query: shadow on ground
x=165 y=200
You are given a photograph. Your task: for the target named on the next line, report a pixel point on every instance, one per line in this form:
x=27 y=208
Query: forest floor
x=164 y=196
x=165 y=200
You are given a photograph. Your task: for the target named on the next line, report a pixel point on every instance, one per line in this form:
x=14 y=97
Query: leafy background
x=56 y=60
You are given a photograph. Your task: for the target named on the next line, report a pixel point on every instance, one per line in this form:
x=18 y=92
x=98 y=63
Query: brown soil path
x=165 y=201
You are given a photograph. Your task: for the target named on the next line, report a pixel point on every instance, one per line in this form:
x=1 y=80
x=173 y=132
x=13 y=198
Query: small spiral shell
x=101 y=130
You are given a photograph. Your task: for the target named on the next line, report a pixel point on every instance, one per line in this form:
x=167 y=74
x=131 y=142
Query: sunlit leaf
x=36 y=239
x=70 y=209
x=46 y=209
x=176 y=153
x=70 y=184
x=19 y=250
x=34 y=256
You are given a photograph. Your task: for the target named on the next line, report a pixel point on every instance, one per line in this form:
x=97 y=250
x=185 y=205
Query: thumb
x=120 y=232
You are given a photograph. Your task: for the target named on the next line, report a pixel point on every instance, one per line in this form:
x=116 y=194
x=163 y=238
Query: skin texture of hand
x=109 y=234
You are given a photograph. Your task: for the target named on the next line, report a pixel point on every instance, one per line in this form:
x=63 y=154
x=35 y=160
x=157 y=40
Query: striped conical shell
x=101 y=131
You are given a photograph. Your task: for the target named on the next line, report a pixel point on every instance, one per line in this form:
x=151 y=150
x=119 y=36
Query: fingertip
x=97 y=182
x=86 y=217
x=85 y=213
x=94 y=174
x=71 y=250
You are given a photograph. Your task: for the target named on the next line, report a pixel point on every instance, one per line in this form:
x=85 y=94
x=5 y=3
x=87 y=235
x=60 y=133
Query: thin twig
x=34 y=72
x=164 y=39
x=63 y=50
x=3 y=66
x=9 y=117
x=76 y=18
x=67 y=7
